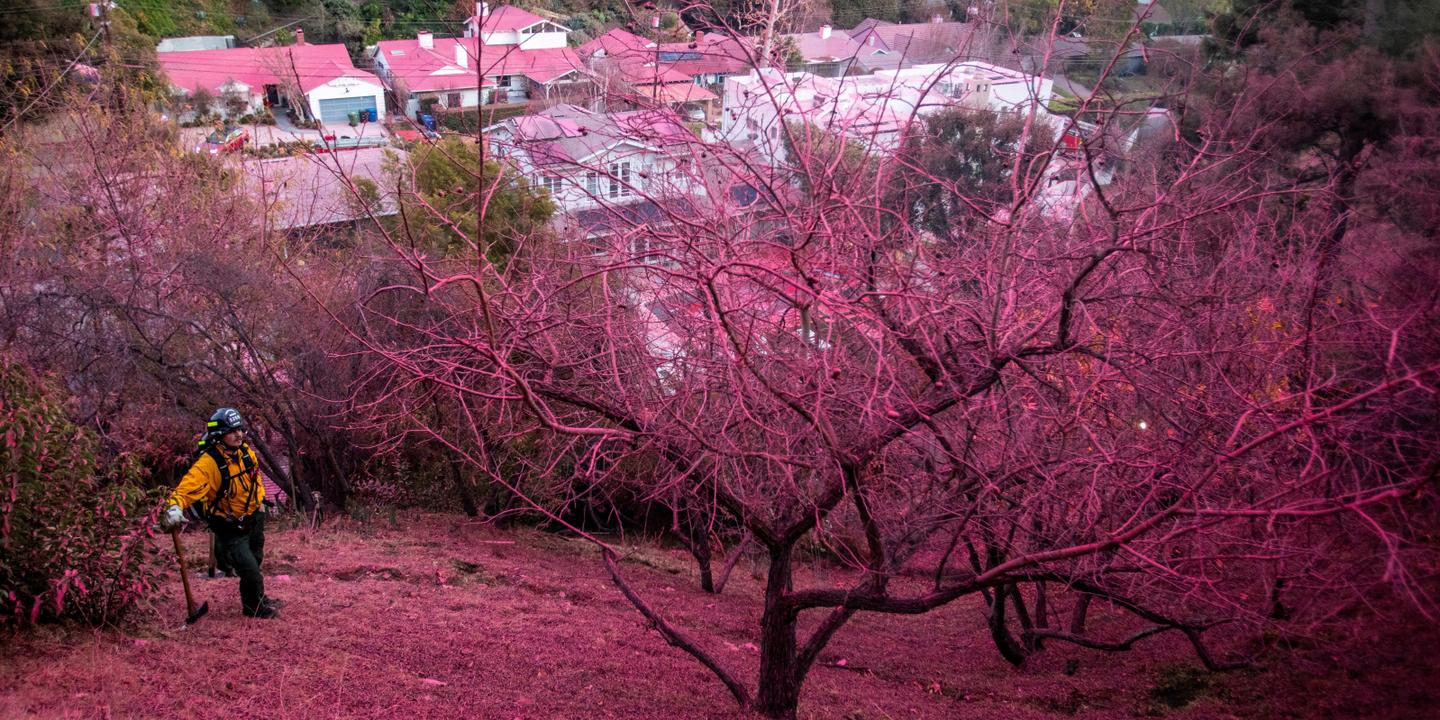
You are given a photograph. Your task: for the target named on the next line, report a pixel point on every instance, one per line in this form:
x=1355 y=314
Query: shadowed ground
x=441 y=618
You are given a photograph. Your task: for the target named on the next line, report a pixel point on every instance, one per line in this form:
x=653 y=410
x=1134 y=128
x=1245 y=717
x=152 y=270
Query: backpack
x=210 y=512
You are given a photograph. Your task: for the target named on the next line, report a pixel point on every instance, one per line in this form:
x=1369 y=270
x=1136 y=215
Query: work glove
x=172 y=518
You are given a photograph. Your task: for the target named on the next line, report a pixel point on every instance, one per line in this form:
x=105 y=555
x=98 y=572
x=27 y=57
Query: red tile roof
x=708 y=55
x=312 y=65
x=617 y=41
x=815 y=48
x=508 y=18
x=637 y=72
x=435 y=68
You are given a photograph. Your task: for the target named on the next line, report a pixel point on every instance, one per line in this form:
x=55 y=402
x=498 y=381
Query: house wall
x=468 y=97
x=748 y=116
x=345 y=88
x=254 y=99
x=652 y=175
x=512 y=91
x=533 y=41
x=1014 y=96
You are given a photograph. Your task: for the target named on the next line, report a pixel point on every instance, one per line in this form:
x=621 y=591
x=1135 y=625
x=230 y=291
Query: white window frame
x=619 y=179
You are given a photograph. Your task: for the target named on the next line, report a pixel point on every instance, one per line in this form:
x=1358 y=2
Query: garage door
x=337 y=110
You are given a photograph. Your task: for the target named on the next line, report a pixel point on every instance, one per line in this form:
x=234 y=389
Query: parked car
x=225 y=140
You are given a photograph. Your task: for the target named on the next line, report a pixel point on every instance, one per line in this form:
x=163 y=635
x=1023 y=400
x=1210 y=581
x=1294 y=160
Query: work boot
x=276 y=603
x=264 y=612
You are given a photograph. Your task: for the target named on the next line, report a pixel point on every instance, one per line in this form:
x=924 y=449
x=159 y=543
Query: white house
x=602 y=165
x=319 y=81
x=507 y=56
x=873 y=111
x=510 y=25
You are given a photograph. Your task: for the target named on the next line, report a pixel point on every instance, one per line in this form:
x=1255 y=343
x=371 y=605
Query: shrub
x=72 y=531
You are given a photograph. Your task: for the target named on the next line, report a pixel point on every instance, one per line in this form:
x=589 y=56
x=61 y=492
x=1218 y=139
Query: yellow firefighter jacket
x=202 y=483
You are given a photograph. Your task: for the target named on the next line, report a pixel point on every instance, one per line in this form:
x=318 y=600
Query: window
x=550 y=183
x=592 y=182
x=619 y=179
x=502 y=81
x=452 y=100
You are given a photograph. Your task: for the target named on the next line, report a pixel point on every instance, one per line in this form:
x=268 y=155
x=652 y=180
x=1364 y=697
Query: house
x=710 y=58
x=598 y=167
x=509 y=56
x=1149 y=12
x=873 y=111
x=318 y=81
x=627 y=71
x=618 y=43
x=890 y=46
x=630 y=80
x=310 y=192
x=826 y=53
x=510 y=25
x=196 y=42
x=1092 y=155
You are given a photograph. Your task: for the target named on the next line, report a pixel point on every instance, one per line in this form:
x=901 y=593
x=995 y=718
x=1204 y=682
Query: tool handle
x=184 y=576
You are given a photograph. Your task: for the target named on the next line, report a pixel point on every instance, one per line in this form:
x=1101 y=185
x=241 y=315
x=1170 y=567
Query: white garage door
x=338 y=109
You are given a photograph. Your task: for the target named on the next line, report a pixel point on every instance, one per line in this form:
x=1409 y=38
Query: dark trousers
x=243 y=550
x=218 y=559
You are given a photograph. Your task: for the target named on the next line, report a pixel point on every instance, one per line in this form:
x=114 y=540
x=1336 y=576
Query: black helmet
x=223 y=421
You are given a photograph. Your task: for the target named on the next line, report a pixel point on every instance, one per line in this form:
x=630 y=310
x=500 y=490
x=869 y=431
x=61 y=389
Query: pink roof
x=435 y=68
x=617 y=42
x=708 y=55
x=838 y=46
x=638 y=72
x=688 y=92
x=507 y=18
x=568 y=134
x=311 y=65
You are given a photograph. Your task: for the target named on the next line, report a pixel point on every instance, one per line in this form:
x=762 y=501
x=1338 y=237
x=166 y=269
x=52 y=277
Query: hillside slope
x=442 y=618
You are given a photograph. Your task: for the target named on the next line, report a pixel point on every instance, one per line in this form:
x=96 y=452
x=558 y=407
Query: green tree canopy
x=451 y=195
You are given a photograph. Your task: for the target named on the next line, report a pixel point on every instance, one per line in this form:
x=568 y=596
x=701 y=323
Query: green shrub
x=72 y=531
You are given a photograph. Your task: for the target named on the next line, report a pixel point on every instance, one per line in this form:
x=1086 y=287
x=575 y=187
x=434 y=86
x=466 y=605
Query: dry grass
x=448 y=619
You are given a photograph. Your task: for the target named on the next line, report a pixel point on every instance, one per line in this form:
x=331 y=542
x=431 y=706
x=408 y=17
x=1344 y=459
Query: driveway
x=283 y=132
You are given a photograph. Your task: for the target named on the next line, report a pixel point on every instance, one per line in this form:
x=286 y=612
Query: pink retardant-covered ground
x=441 y=618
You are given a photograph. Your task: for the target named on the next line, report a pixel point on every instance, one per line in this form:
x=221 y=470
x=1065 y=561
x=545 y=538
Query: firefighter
x=223 y=487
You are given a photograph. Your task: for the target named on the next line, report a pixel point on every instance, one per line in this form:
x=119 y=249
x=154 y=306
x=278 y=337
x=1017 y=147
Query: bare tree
x=1110 y=402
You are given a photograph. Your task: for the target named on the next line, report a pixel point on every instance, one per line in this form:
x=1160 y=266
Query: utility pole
x=100 y=11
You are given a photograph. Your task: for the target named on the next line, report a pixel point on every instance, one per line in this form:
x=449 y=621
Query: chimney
x=299 y=36
x=824 y=32
x=426 y=39
x=699 y=36
x=462 y=56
